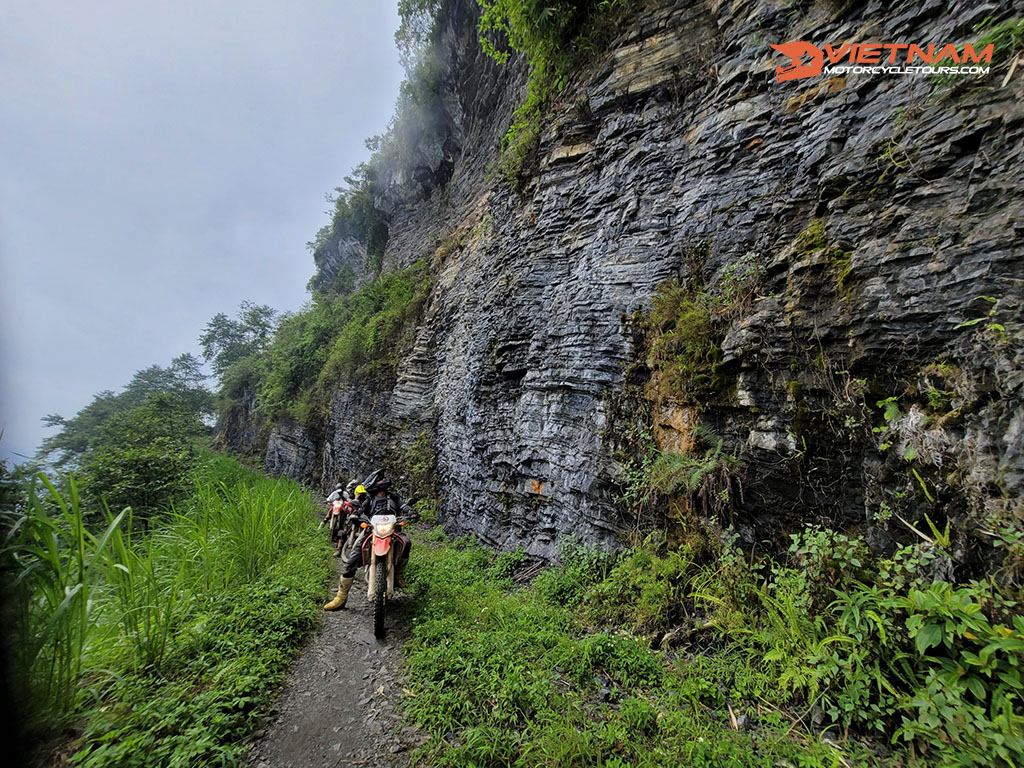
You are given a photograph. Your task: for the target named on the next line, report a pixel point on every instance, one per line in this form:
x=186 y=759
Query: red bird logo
x=797 y=68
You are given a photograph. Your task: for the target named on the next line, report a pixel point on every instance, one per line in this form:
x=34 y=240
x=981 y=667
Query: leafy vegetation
x=877 y=664
x=518 y=677
x=552 y=36
x=159 y=649
x=173 y=398
x=362 y=335
x=683 y=343
x=226 y=342
x=704 y=480
x=684 y=330
x=135 y=448
x=290 y=371
x=147 y=478
x=354 y=218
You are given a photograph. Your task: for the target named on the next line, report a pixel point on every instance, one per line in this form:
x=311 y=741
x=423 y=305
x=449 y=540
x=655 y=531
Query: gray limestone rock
x=677 y=156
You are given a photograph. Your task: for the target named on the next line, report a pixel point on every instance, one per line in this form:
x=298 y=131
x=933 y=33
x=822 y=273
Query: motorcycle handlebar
x=413 y=517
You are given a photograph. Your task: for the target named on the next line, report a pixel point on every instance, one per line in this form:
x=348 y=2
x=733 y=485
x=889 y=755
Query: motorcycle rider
x=378 y=499
x=334 y=518
x=336 y=494
x=338 y=517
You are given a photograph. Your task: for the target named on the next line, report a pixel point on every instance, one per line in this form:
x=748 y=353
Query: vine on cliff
x=552 y=36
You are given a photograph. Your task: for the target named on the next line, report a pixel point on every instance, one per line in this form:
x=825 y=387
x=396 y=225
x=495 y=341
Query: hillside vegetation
x=699 y=655
x=158 y=648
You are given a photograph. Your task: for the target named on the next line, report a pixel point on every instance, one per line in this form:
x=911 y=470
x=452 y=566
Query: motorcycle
x=382 y=551
x=333 y=522
x=344 y=526
x=349 y=535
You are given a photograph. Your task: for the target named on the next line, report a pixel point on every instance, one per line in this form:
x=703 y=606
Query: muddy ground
x=340 y=704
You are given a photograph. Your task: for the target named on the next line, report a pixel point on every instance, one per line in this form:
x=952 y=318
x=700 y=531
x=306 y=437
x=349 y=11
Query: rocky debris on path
x=339 y=705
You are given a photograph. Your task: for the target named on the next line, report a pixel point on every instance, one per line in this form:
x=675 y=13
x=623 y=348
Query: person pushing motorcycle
x=340 y=504
x=379 y=500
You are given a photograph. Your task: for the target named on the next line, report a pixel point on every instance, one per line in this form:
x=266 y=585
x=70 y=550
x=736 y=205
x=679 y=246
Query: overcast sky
x=161 y=162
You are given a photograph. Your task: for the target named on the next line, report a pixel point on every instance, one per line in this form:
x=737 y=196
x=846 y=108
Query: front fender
x=381 y=546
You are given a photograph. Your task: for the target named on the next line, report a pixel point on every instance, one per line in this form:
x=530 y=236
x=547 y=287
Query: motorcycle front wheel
x=380 y=595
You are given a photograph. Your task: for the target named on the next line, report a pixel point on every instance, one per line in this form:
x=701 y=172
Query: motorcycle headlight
x=383 y=529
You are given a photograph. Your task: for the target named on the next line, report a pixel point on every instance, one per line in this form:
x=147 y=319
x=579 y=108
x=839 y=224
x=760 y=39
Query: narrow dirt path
x=339 y=705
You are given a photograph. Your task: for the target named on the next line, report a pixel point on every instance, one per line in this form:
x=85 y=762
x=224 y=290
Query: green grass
x=665 y=658
x=160 y=649
x=507 y=677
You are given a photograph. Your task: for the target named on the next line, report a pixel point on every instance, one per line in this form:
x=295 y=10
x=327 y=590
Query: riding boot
x=400 y=574
x=339 y=599
x=337 y=550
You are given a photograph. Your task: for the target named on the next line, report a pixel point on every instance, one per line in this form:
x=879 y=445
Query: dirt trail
x=338 y=706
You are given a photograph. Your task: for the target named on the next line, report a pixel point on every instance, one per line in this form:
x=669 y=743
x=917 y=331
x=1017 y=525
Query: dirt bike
x=382 y=552
x=349 y=535
x=333 y=520
x=344 y=526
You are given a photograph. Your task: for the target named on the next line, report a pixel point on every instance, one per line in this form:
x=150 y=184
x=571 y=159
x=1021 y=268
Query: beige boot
x=339 y=599
x=400 y=575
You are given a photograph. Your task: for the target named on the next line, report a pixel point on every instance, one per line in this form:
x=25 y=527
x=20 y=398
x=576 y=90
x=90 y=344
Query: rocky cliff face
x=861 y=215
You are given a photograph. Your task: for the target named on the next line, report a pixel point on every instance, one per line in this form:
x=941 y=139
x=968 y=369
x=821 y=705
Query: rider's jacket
x=388 y=504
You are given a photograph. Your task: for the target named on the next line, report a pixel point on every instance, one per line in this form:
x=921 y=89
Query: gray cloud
x=161 y=162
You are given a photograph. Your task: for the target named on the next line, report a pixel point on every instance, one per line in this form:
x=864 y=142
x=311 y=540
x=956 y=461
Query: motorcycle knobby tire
x=380 y=596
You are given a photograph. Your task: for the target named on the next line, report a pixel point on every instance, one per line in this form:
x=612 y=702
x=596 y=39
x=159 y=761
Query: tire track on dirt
x=339 y=704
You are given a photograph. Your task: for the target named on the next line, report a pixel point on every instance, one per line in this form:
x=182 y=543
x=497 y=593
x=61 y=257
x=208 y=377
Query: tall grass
x=91 y=599
x=54 y=565
x=143 y=594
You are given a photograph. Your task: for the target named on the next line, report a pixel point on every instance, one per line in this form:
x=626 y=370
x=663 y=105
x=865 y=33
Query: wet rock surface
x=291 y=451
x=873 y=211
x=340 y=704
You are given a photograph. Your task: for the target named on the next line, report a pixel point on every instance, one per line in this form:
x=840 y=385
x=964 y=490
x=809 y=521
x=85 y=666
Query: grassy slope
x=562 y=672
x=186 y=632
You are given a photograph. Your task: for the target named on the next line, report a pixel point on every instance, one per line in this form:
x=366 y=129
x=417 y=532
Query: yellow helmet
x=360 y=489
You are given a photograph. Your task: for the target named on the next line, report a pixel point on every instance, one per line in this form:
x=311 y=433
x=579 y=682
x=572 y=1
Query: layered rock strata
x=865 y=213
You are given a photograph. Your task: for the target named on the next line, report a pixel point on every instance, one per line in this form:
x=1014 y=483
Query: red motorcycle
x=350 y=531
x=382 y=552
x=344 y=528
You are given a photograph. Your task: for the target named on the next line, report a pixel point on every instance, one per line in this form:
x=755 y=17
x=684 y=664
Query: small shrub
x=684 y=346
x=828 y=561
x=505 y=565
x=643 y=591
x=581 y=566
